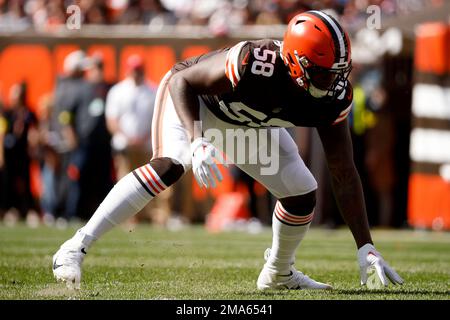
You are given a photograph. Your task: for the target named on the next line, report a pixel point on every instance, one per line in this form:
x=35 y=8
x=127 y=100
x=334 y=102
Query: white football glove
x=369 y=257
x=203 y=164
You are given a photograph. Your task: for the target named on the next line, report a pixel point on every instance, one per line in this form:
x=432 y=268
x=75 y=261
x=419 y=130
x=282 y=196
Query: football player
x=262 y=85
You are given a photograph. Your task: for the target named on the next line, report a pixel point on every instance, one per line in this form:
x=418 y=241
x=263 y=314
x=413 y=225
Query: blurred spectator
x=75 y=143
x=96 y=177
x=93 y=12
x=3 y=128
x=268 y=14
x=155 y=14
x=46 y=14
x=13 y=16
x=129 y=112
x=230 y=15
x=219 y=15
x=17 y=125
x=50 y=161
x=149 y=12
x=70 y=120
x=380 y=146
x=133 y=14
x=115 y=9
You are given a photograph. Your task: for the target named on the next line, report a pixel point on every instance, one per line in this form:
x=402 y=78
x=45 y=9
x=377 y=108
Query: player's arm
x=206 y=77
x=346 y=182
x=349 y=194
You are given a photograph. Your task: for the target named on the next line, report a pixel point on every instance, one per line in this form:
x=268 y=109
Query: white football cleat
x=271 y=280
x=67 y=263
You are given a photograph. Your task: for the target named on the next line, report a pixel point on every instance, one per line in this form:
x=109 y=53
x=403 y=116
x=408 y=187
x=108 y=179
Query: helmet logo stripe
x=336 y=33
x=232 y=62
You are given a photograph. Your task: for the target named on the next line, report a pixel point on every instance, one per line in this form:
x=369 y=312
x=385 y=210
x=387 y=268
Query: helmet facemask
x=322 y=82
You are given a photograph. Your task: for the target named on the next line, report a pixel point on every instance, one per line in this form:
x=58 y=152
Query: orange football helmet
x=317 y=52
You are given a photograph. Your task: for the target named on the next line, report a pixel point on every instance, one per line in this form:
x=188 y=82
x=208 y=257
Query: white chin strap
x=316 y=92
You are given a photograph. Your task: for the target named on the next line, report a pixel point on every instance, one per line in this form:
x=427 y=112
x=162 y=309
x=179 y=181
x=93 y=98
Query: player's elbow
x=178 y=83
x=174 y=81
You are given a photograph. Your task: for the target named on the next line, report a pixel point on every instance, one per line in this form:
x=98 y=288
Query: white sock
x=288 y=231
x=126 y=198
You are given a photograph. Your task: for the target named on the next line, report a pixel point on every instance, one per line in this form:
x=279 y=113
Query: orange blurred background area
x=400 y=121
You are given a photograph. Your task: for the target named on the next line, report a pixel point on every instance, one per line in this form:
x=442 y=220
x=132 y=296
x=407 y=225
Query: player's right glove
x=203 y=164
x=369 y=257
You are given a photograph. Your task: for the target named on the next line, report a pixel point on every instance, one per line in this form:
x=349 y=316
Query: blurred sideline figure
x=257 y=85
x=49 y=160
x=71 y=125
x=129 y=112
x=17 y=128
x=96 y=177
x=75 y=151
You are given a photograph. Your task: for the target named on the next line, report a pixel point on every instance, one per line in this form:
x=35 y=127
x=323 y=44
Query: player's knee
x=303 y=204
x=167 y=169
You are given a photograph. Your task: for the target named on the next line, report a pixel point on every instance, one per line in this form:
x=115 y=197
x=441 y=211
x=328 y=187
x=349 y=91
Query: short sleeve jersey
x=265 y=95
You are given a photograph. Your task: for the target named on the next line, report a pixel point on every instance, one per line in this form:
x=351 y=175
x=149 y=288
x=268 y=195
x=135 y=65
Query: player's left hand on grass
x=204 y=165
x=369 y=257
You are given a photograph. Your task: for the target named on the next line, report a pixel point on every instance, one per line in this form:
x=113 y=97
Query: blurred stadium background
x=57 y=162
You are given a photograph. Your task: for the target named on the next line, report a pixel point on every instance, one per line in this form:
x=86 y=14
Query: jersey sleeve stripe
x=346 y=111
x=233 y=75
x=236 y=71
x=229 y=73
x=232 y=63
x=341 y=118
x=343 y=115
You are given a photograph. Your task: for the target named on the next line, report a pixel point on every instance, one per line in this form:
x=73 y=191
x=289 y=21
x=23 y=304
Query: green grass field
x=151 y=263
